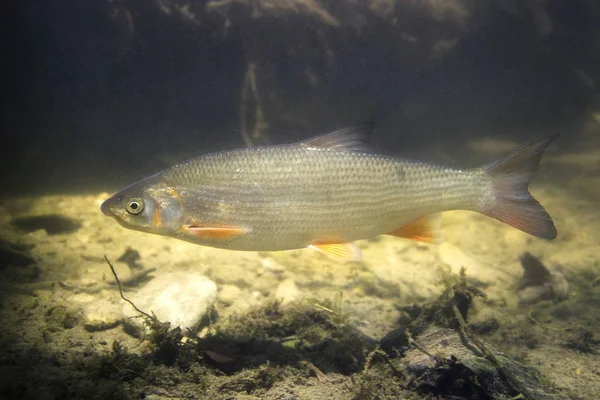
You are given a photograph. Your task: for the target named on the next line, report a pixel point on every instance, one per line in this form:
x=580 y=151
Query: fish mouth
x=105 y=207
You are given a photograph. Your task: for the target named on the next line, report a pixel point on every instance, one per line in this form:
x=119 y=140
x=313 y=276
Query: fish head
x=149 y=205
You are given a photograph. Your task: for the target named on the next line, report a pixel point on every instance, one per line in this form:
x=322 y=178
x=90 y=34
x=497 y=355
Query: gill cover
x=149 y=205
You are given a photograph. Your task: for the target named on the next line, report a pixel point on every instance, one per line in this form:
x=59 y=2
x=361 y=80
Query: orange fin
x=214 y=232
x=347 y=251
x=425 y=229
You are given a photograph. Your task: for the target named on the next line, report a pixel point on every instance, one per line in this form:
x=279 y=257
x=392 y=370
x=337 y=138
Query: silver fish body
x=329 y=189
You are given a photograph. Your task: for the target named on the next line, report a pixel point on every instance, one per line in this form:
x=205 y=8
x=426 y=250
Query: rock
x=98 y=314
x=287 y=292
x=239 y=306
x=61 y=317
x=535 y=272
x=560 y=287
x=102 y=316
x=181 y=298
x=271 y=265
x=540 y=282
x=229 y=294
x=39 y=235
x=442 y=355
x=533 y=294
x=100 y=322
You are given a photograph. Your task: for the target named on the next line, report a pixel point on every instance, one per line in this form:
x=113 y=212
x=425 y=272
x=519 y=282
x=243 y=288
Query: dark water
x=97 y=92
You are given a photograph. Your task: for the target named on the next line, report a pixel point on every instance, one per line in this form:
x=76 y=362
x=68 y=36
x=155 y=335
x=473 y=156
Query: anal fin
x=347 y=251
x=425 y=229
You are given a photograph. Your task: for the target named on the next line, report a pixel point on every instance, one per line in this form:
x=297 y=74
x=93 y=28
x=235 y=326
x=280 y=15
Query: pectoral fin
x=347 y=251
x=214 y=232
x=425 y=229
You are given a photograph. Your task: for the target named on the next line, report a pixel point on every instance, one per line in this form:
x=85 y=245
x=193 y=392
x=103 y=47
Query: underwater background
x=100 y=94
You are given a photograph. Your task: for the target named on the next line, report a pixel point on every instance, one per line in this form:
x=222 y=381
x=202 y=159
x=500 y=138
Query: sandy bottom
x=63 y=334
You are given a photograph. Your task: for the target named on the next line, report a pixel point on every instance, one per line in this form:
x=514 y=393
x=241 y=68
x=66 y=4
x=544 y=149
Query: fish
x=325 y=193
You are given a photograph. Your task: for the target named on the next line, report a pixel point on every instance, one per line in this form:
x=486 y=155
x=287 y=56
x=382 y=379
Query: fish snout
x=106 y=207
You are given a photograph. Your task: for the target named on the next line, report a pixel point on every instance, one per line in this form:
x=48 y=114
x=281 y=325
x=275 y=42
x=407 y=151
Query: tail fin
x=513 y=204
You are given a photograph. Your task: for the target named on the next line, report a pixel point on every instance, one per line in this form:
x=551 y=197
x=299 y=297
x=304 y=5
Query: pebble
x=287 y=292
x=240 y=306
x=101 y=320
x=271 y=265
x=534 y=294
x=229 y=294
x=181 y=298
x=98 y=314
x=36 y=236
x=560 y=286
x=101 y=315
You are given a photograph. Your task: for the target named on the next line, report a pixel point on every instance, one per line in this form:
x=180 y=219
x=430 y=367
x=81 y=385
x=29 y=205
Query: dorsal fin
x=348 y=138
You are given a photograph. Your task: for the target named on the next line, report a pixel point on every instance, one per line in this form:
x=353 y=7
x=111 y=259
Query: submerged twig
x=413 y=343
x=321 y=377
x=471 y=338
x=381 y=353
x=121 y=291
x=320 y=307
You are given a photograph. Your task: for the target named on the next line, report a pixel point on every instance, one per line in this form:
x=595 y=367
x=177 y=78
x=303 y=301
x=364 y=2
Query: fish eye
x=135 y=206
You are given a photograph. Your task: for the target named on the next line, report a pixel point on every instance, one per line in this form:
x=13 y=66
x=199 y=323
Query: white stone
x=272 y=265
x=181 y=298
x=287 y=291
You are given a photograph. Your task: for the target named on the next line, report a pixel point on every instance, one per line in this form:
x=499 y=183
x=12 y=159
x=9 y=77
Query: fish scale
x=289 y=194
